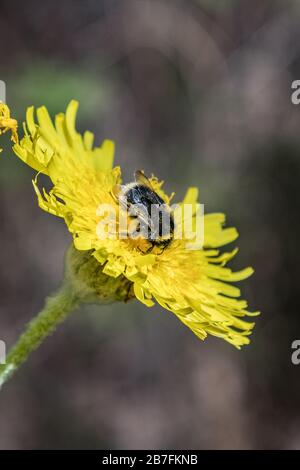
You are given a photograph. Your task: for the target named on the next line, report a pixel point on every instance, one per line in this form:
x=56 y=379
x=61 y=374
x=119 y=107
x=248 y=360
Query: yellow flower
x=193 y=284
x=7 y=123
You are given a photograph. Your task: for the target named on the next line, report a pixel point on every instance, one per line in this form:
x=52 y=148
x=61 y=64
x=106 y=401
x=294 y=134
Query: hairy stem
x=56 y=309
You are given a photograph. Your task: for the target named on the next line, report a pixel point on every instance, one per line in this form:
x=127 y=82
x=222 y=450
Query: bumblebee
x=154 y=217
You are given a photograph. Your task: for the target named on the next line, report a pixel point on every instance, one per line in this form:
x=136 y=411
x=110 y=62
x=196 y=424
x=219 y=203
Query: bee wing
x=139 y=211
x=141 y=178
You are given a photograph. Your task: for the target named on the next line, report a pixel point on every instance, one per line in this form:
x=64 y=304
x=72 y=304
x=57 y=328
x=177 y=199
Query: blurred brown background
x=198 y=92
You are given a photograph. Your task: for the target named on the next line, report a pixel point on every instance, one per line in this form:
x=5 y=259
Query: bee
x=153 y=215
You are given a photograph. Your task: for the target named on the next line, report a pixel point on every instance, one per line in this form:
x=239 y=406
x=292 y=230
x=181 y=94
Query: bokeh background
x=198 y=92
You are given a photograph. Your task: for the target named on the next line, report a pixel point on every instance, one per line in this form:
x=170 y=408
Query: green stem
x=56 y=309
